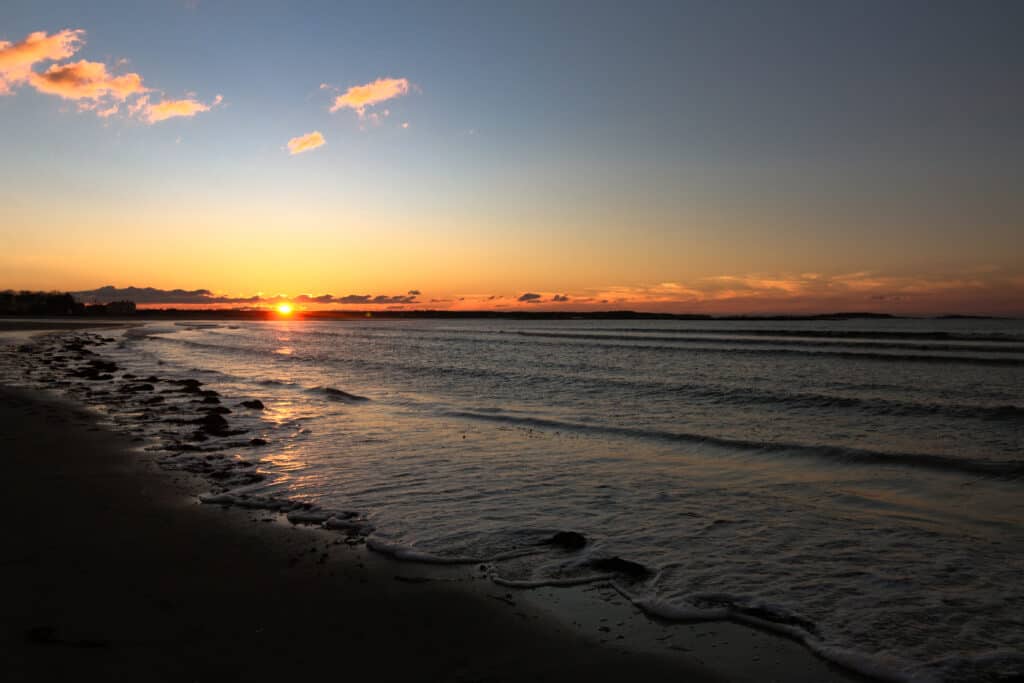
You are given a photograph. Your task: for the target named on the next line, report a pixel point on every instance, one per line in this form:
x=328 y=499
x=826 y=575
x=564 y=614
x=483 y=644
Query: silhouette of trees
x=39 y=303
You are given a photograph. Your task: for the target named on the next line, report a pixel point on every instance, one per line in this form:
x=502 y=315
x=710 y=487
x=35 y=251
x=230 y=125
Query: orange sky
x=598 y=163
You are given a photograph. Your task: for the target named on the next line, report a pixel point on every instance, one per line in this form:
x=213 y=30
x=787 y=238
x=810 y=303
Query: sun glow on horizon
x=285 y=308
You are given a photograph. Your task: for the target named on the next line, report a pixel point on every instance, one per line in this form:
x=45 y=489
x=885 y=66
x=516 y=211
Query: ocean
x=856 y=484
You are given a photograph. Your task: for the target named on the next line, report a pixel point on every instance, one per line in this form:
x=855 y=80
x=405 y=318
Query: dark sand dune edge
x=115 y=571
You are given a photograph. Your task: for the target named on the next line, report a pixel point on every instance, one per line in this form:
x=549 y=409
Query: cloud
x=353 y=299
x=359 y=97
x=17 y=59
x=407 y=299
x=150 y=295
x=307 y=299
x=965 y=291
x=380 y=299
x=90 y=84
x=992 y=291
x=168 y=109
x=305 y=143
x=84 y=80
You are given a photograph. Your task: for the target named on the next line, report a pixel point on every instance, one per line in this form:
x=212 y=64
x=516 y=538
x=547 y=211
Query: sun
x=285 y=309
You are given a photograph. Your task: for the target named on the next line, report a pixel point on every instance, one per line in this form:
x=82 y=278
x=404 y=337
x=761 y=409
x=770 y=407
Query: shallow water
x=856 y=484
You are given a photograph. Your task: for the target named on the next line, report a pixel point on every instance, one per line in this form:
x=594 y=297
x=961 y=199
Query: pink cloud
x=167 y=109
x=84 y=80
x=359 y=97
x=305 y=143
x=17 y=59
x=91 y=85
x=990 y=291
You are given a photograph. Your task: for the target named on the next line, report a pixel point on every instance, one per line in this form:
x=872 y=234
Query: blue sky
x=596 y=149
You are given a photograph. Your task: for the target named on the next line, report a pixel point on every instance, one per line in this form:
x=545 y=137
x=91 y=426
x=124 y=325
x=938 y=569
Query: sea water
x=855 y=484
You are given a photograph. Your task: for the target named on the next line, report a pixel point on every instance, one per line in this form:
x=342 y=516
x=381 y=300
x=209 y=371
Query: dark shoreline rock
x=569 y=540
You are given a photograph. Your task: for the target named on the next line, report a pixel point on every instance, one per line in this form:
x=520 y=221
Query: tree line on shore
x=57 y=304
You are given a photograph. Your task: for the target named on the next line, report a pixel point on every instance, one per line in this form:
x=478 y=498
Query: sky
x=706 y=157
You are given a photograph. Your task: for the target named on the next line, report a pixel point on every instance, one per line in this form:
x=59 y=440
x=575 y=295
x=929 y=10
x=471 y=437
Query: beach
x=121 y=574
x=512 y=341
x=116 y=571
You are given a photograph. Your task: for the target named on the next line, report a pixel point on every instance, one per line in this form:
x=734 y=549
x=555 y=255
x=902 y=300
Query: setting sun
x=285 y=309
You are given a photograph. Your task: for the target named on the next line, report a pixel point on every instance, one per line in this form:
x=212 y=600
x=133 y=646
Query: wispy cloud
x=359 y=97
x=17 y=59
x=972 y=290
x=91 y=85
x=84 y=80
x=305 y=143
x=168 y=109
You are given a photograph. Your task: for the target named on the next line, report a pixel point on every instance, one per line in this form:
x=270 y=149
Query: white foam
x=674 y=612
x=407 y=554
x=309 y=516
x=880 y=667
x=346 y=523
x=552 y=583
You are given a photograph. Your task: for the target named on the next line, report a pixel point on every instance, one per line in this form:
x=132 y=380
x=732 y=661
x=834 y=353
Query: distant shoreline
x=427 y=314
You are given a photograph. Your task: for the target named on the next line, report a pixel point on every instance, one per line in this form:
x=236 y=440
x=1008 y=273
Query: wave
x=274 y=382
x=1008 y=469
x=552 y=583
x=851 y=355
x=909 y=341
x=709 y=394
x=777 y=620
x=705 y=392
x=871 y=406
x=996 y=337
x=338 y=395
x=988 y=666
x=786 y=341
x=827 y=353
